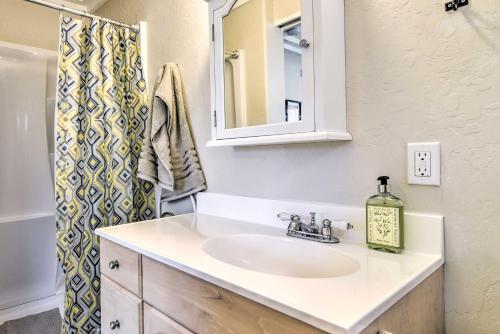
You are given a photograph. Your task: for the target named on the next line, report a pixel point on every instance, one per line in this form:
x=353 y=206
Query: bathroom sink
x=280 y=256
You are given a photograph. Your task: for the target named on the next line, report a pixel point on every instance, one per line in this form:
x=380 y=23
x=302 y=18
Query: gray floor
x=43 y=323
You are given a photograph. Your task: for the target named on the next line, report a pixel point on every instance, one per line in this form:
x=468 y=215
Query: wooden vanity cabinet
x=121 y=310
x=122 y=266
x=141 y=295
x=421 y=311
x=206 y=308
x=156 y=322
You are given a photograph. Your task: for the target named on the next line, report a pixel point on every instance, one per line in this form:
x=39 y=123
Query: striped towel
x=168 y=157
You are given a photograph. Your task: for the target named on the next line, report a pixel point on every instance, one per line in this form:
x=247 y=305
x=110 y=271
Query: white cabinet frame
x=324 y=104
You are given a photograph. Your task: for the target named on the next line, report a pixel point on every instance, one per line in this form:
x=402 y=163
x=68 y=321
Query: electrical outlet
x=424 y=164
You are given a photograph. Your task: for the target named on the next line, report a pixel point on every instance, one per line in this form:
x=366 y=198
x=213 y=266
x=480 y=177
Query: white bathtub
x=27 y=259
x=28 y=265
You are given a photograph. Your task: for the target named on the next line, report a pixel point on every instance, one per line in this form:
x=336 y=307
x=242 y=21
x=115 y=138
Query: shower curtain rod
x=80 y=13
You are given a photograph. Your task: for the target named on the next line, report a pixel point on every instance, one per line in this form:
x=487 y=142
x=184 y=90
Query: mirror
x=263 y=81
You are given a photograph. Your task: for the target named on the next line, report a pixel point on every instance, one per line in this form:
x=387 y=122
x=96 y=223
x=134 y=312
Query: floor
x=43 y=323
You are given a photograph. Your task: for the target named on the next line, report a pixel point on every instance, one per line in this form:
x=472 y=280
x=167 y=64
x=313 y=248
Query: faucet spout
x=309 y=228
x=298 y=229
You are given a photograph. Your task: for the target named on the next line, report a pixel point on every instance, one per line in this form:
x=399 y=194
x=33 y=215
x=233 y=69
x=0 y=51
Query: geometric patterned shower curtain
x=101 y=112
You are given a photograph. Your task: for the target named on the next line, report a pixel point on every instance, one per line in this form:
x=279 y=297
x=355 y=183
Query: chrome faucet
x=312 y=227
x=298 y=229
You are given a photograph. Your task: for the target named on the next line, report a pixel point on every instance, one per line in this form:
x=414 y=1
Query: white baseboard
x=34 y=307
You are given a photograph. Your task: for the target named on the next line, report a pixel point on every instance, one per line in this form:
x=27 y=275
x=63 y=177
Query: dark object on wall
x=455 y=5
x=293 y=111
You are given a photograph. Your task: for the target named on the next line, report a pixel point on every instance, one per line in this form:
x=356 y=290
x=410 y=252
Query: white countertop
x=345 y=304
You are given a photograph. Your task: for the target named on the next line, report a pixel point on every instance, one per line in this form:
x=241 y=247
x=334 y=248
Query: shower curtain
x=101 y=112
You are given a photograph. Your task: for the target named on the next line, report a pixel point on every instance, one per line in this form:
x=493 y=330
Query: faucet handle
x=326 y=230
x=342 y=225
x=292 y=218
x=285 y=216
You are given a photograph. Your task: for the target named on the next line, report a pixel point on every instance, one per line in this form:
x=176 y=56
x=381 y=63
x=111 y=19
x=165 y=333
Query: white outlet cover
x=429 y=179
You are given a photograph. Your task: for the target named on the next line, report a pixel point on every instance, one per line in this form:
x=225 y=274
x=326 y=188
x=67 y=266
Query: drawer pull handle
x=114 y=325
x=383 y=332
x=114 y=264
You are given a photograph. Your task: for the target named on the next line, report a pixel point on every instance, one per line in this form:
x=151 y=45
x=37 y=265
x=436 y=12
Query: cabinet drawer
x=156 y=322
x=121 y=311
x=122 y=265
x=205 y=308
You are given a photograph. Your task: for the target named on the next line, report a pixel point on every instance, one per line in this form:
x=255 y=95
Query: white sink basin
x=280 y=256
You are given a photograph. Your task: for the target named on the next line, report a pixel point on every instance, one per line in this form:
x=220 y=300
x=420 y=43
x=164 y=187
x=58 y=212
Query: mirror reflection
x=262 y=63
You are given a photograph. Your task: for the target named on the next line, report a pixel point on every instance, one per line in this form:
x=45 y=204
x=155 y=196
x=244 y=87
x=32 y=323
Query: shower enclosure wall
x=27 y=225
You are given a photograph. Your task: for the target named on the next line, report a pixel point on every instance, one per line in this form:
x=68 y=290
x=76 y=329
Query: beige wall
x=285 y=8
x=414 y=73
x=28 y=24
x=244 y=29
x=251 y=27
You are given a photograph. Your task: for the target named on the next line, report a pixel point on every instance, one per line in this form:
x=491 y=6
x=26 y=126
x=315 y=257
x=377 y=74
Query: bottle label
x=383 y=225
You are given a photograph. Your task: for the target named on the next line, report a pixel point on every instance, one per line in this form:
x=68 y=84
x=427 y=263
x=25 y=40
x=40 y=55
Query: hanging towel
x=168 y=157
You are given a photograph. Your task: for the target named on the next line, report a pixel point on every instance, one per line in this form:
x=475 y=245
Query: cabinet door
x=121 y=311
x=156 y=322
x=121 y=265
x=263 y=68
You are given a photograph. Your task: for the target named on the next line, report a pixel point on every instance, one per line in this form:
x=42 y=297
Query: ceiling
x=85 y=5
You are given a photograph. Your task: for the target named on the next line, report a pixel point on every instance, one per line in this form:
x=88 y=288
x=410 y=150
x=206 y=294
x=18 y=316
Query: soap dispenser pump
x=385 y=220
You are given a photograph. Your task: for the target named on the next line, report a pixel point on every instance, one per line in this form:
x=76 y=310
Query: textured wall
x=414 y=73
x=28 y=24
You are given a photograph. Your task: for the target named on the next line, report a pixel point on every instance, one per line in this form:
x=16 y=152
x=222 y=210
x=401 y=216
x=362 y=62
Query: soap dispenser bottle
x=385 y=220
